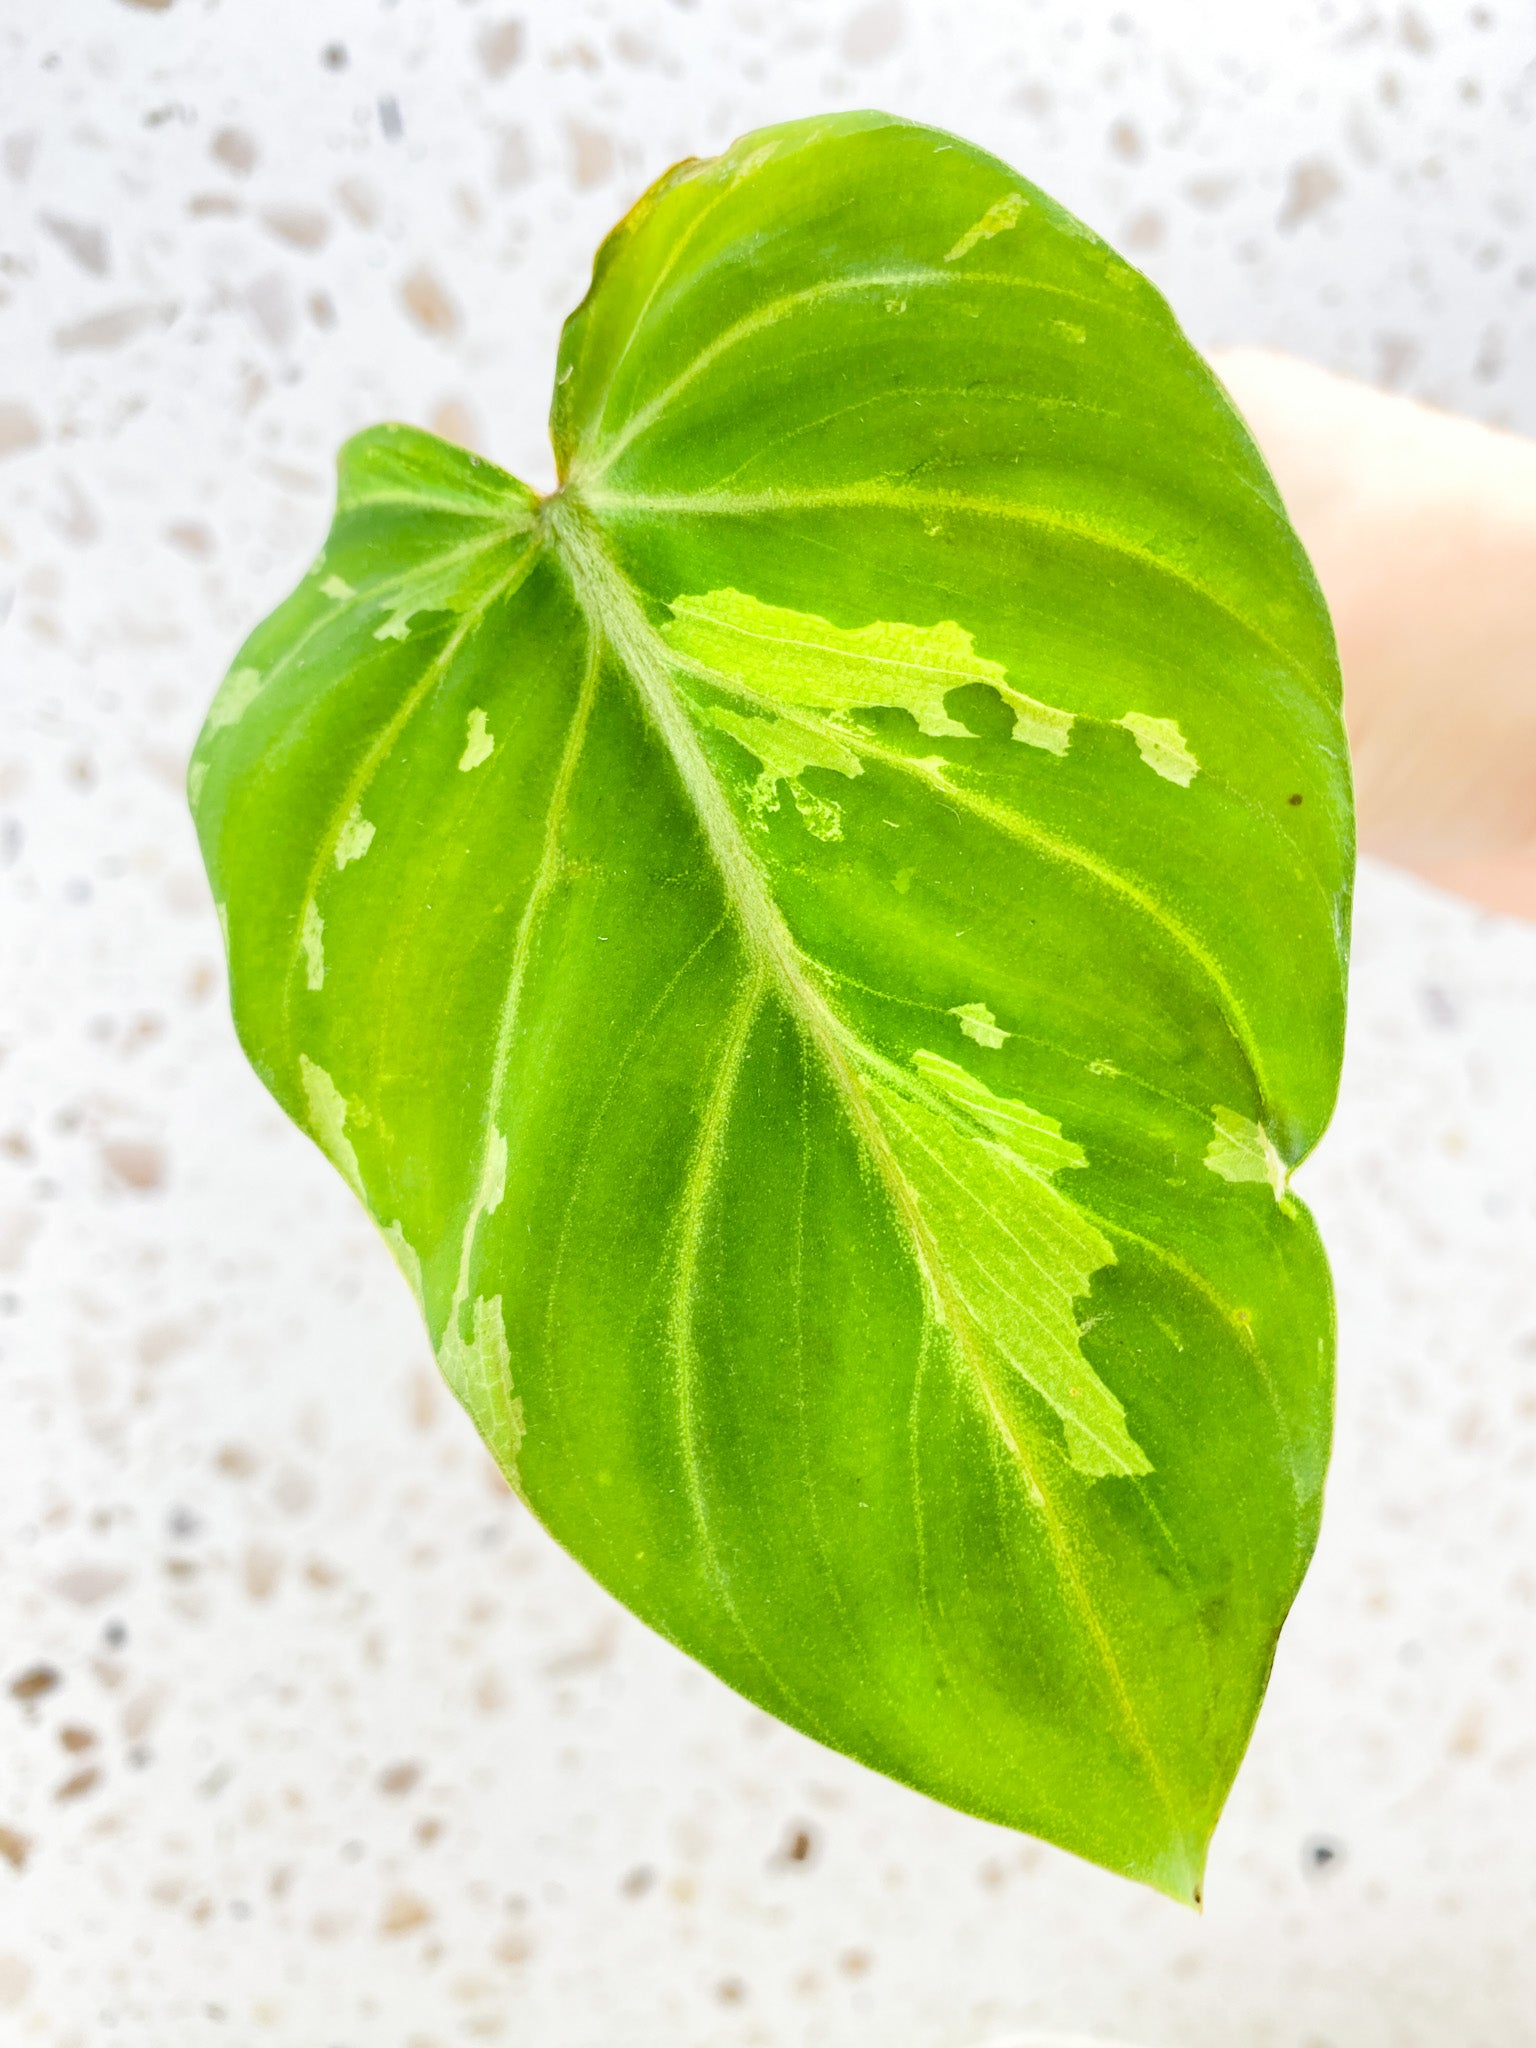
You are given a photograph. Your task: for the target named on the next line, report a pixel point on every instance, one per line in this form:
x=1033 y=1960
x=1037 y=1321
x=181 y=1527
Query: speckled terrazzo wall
x=307 y=1735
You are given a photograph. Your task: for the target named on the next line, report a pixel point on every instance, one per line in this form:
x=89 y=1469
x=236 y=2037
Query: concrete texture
x=307 y=1735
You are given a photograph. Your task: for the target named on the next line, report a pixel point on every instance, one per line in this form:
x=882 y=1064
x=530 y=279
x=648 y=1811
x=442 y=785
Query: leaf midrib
x=1015 y=825
x=614 y=612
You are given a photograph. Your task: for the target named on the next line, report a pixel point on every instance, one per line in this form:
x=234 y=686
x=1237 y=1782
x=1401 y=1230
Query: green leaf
x=819 y=946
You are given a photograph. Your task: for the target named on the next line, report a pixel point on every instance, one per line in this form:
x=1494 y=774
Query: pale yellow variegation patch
x=478 y=744
x=1020 y=1254
x=354 y=838
x=1163 y=747
x=1001 y=215
x=312 y=945
x=978 y=1022
x=328 y=1113
x=1242 y=1150
x=237 y=693
x=800 y=661
x=477 y=1364
x=785 y=749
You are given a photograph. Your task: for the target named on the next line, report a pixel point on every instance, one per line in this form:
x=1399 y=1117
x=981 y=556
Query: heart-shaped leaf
x=819 y=945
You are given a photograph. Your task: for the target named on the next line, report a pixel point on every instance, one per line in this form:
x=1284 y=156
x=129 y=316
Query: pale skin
x=1422 y=529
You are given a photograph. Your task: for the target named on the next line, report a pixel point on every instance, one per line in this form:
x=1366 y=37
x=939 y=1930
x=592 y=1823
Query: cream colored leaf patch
x=1243 y=1151
x=327 y=1108
x=797 y=659
x=354 y=839
x=478 y=745
x=406 y=1258
x=1016 y=1254
x=337 y=587
x=493 y=1179
x=978 y=1022
x=477 y=1363
x=1162 y=746
x=455 y=581
x=1034 y=1137
x=785 y=749
x=1003 y=214
x=312 y=945
x=237 y=694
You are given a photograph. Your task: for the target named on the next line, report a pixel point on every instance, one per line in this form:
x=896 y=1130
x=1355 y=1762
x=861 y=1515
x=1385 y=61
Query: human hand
x=1422 y=529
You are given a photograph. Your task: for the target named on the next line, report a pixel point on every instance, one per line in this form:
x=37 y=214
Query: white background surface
x=361 y=1761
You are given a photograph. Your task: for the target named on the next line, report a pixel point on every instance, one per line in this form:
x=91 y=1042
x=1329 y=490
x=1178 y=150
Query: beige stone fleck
x=359 y=202
x=403 y=1913
x=261 y=1570
x=15 y=1981
x=82 y=240
x=235 y=149
x=112 y=328
x=134 y=1164
x=500 y=47
x=35 y=1683
x=592 y=155
x=87 y=1585
x=428 y=303
x=873 y=32
x=301 y=227
x=456 y=422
